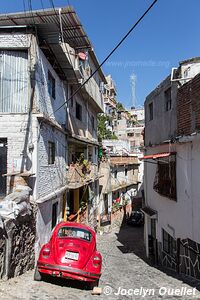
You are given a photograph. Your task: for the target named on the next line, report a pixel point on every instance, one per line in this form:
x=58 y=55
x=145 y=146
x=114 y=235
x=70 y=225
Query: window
x=51 y=85
x=74 y=232
x=169 y=244
x=150 y=111
x=54 y=214
x=14 y=81
x=168 y=100
x=92 y=121
x=126 y=172
x=71 y=93
x=78 y=111
x=165 y=179
x=153 y=228
x=130 y=134
x=115 y=173
x=51 y=153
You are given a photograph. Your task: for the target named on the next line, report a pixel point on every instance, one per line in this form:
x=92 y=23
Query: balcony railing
x=79 y=175
x=110 y=101
x=122 y=184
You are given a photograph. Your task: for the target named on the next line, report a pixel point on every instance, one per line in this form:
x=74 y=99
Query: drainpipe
x=146 y=235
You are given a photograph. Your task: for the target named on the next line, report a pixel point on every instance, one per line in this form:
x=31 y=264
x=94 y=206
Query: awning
x=157 y=155
x=148 y=211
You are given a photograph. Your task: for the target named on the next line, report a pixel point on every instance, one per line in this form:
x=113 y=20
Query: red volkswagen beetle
x=70 y=253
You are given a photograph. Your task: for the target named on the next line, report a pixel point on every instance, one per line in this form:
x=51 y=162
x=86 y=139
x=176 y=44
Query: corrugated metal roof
x=73 y=32
x=47 y=22
x=14 y=81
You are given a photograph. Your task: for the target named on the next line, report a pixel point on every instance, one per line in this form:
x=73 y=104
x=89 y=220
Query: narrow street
x=123 y=267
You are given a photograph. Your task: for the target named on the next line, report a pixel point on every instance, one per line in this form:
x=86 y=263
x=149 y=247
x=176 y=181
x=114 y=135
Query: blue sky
x=168 y=34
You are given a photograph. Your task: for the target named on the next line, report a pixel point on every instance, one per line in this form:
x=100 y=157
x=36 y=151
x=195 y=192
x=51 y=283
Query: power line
x=42 y=5
x=108 y=56
x=31 y=10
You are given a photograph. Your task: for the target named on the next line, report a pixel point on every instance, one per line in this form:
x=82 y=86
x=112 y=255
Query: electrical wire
x=31 y=10
x=42 y=5
x=109 y=55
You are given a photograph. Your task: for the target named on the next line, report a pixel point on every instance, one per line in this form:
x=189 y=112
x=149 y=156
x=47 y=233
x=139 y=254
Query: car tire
x=93 y=284
x=37 y=275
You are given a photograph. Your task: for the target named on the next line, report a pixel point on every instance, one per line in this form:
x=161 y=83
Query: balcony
x=80 y=175
x=110 y=101
x=124 y=160
x=120 y=184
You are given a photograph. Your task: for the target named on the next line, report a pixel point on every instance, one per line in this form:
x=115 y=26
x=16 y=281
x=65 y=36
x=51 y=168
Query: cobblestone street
x=123 y=267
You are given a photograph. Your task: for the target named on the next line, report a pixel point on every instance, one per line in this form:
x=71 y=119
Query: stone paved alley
x=123 y=267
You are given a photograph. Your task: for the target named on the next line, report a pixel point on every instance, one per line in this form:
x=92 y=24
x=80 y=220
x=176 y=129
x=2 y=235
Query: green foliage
x=103 y=132
x=120 y=106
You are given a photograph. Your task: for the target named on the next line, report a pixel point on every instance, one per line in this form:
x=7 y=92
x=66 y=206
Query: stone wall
x=17 y=244
x=2 y=253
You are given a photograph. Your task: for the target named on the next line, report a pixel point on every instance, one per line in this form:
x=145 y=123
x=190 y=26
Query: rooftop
x=65 y=18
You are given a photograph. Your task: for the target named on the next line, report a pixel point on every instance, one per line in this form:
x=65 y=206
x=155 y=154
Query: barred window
x=51 y=153
x=165 y=179
x=78 y=111
x=169 y=243
x=51 y=85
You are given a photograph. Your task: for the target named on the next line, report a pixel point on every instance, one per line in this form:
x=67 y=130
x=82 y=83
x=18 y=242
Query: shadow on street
x=132 y=240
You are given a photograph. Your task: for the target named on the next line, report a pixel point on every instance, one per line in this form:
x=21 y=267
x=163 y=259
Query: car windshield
x=75 y=233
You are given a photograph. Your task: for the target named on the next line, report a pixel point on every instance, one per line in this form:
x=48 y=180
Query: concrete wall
x=44 y=221
x=18 y=130
x=138 y=113
x=44 y=102
x=94 y=84
x=121 y=178
x=117 y=146
x=179 y=218
x=163 y=126
x=83 y=128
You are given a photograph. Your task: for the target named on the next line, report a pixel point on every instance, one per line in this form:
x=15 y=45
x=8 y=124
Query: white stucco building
x=171 y=171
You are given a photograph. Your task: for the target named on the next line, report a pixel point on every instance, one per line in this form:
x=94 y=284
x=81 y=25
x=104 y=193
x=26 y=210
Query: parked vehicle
x=70 y=253
x=136 y=218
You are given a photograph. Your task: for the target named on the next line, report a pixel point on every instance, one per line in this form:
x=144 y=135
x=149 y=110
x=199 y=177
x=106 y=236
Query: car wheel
x=93 y=284
x=37 y=275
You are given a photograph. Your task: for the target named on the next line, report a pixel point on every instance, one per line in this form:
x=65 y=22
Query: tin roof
x=73 y=31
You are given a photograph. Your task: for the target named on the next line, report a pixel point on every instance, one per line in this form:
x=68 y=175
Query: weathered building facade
x=171 y=171
x=47 y=129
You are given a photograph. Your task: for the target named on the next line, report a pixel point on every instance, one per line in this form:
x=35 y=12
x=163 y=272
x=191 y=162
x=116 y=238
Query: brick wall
x=188 y=107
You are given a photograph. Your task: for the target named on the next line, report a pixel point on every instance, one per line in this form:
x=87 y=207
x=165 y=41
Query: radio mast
x=133 y=79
